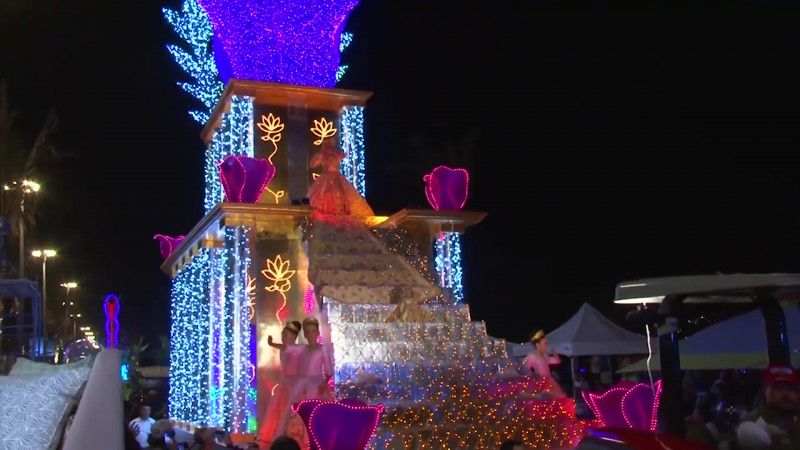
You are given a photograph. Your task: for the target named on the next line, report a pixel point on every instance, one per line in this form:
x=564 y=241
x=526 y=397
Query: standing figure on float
x=274 y=423
x=332 y=197
x=539 y=363
x=312 y=382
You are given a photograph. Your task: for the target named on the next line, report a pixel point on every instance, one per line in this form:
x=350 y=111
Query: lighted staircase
x=351 y=265
x=444 y=383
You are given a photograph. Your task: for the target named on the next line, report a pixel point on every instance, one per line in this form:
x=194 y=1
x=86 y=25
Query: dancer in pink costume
x=333 y=197
x=274 y=423
x=539 y=362
x=316 y=370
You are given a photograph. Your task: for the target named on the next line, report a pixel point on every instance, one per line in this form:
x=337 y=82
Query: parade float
x=387 y=292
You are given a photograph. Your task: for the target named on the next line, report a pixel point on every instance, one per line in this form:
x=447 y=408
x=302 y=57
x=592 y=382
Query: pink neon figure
x=245 y=178
x=168 y=244
x=627 y=405
x=111 y=308
x=447 y=189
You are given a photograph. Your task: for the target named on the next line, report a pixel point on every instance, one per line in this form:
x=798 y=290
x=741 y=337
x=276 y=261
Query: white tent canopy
x=590 y=333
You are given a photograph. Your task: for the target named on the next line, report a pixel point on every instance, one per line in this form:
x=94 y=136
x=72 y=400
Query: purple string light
x=283 y=41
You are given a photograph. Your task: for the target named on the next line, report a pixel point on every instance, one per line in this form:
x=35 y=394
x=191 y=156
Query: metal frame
x=673 y=294
x=29 y=331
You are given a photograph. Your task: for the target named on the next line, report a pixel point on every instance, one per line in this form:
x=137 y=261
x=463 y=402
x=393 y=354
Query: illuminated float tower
x=243 y=270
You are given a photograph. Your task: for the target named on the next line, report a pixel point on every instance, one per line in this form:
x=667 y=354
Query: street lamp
x=75 y=318
x=67 y=304
x=44 y=255
x=25 y=187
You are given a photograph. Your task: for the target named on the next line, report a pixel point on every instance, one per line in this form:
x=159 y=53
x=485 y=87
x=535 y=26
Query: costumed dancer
x=332 y=197
x=316 y=369
x=274 y=423
x=539 y=362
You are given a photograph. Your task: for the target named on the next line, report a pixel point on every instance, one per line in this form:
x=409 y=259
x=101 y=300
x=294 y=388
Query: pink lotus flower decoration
x=447 y=189
x=168 y=244
x=348 y=424
x=245 y=178
x=627 y=405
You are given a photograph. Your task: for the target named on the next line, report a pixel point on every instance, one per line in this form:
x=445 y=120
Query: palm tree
x=20 y=161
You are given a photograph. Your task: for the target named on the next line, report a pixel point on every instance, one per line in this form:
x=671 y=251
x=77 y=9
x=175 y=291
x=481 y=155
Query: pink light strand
x=377 y=408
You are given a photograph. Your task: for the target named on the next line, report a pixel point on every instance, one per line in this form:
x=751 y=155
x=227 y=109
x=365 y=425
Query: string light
x=272 y=128
x=333 y=411
x=189 y=349
x=236 y=379
x=168 y=244
x=194 y=28
x=396 y=240
x=234 y=137
x=447 y=188
x=612 y=406
x=448 y=264
x=279 y=273
x=466 y=396
x=351 y=140
x=345 y=40
x=244 y=178
x=340 y=72
x=111 y=309
x=211 y=373
x=294 y=43
x=322 y=129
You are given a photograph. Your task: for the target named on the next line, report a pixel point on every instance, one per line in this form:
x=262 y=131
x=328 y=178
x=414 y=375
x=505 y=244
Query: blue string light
x=194 y=28
x=448 y=265
x=352 y=142
x=234 y=137
x=189 y=344
x=237 y=340
x=345 y=40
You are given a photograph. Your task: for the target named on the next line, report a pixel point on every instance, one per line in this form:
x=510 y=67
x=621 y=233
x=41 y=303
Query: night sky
x=614 y=140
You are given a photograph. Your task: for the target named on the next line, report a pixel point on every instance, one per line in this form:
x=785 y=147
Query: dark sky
x=617 y=140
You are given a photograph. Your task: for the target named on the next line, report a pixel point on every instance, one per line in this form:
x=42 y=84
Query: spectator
x=284 y=443
x=162 y=435
x=210 y=438
x=140 y=426
x=775 y=424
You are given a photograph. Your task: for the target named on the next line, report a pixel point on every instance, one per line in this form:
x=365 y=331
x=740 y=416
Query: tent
x=590 y=333
x=739 y=342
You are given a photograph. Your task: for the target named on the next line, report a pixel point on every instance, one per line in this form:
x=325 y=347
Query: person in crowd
x=775 y=424
x=211 y=439
x=140 y=426
x=699 y=426
x=539 y=363
x=284 y=443
x=162 y=436
x=274 y=423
